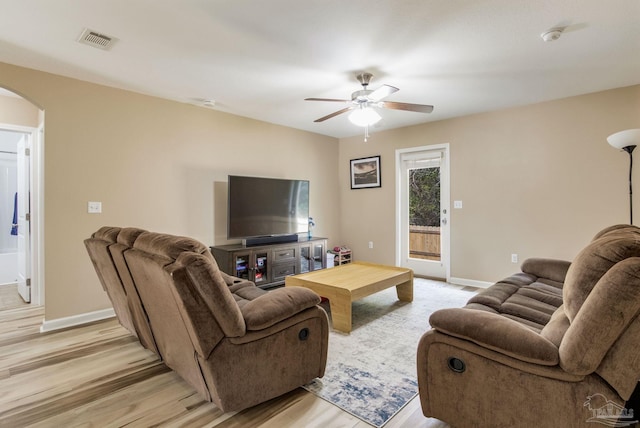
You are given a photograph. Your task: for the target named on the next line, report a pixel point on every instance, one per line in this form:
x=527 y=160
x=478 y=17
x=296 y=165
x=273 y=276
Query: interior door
x=23 y=204
x=423 y=210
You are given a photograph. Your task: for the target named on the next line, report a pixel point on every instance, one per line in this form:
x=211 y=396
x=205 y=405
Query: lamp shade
x=364 y=116
x=622 y=139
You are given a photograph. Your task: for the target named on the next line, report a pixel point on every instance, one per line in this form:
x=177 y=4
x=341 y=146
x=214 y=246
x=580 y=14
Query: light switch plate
x=94 y=207
x=457 y=204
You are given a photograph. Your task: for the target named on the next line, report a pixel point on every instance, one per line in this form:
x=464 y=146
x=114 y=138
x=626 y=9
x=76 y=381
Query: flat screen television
x=264 y=207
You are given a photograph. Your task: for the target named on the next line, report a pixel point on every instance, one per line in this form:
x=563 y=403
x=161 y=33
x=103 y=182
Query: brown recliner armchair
x=481 y=368
x=236 y=344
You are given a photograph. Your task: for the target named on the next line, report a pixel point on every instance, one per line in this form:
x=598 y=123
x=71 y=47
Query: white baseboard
x=76 y=320
x=470 y=282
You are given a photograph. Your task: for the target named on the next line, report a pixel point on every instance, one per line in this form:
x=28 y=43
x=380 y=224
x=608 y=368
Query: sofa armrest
x=555 y=270
x=277 y=305
x=496 y=332
x=233 y=280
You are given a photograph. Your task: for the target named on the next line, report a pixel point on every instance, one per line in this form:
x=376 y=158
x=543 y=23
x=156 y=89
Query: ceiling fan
x=362 y=101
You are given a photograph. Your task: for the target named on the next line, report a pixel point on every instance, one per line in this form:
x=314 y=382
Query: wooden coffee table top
x=347 y=283
x=353 y=276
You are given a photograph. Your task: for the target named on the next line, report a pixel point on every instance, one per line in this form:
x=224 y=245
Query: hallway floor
x=9 y=297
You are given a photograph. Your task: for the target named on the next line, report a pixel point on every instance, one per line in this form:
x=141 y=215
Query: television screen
x=267 y=206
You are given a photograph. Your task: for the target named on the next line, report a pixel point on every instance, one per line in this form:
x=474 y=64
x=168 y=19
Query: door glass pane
x=305 y=259
x=318 y=252
x=242 y=266
x=424 y=213
x=261 y=268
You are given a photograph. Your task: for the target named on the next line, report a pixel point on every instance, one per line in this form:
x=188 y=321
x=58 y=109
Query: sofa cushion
x=553 y=270
x=497 y=333
x=128 y=235
x=168 y=246
x=276 y=306
x=521 y=297
x=126 y=238
x=107 y=233
x=608 y=248
x=98 y=248
x=556 y=327
x=205 y=276
x=612 y=305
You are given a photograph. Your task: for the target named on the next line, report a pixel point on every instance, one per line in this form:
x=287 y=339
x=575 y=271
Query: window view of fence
x=424 y=213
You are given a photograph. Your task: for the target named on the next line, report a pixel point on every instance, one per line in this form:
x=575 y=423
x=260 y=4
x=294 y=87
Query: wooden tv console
x=268 y=265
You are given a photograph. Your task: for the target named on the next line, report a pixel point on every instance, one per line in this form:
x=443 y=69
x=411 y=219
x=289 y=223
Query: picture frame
x=366 y=173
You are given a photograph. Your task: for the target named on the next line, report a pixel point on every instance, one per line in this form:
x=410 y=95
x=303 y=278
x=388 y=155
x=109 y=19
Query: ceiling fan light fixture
x=552 y=35
x=364 y=116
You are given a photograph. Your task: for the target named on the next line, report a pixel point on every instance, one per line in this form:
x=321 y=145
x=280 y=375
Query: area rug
x=371 y=373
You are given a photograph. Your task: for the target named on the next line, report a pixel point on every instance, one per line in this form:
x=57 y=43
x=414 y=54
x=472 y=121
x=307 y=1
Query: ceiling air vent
x=95 y=39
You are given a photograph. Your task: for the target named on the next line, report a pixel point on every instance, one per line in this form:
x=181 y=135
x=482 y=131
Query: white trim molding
x=470 y=282
x=76 y=320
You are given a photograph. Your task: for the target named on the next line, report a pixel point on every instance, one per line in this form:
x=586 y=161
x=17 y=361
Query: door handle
x=444 y=221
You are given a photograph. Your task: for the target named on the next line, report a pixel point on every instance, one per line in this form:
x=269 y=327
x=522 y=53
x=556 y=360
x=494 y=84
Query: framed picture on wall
x=365 y=172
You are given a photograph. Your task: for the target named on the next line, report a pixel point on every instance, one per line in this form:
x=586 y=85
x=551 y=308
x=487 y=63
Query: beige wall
x=537 y=180
x=153 y=164
x=18 y=111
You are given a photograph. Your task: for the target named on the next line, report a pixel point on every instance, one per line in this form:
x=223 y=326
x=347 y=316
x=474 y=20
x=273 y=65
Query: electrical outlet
x=514 y=258
x=370 y=244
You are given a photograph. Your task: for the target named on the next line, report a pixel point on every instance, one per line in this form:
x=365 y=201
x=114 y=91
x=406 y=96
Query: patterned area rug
x=371 y=373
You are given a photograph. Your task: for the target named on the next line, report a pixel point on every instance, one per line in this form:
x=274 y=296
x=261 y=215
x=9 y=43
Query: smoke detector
x=551 y=35
x=97 y=40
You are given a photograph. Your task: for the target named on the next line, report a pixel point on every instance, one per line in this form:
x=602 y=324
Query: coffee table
x=345 y=284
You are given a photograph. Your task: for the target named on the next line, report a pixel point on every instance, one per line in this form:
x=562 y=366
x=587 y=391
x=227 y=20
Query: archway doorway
x=21 y=142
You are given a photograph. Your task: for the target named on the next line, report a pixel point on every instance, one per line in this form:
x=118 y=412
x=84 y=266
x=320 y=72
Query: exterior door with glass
x=423 y=210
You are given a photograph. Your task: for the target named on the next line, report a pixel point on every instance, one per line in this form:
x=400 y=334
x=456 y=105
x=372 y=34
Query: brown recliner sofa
x=556 y=345
x=236 y=344
x=106 y=249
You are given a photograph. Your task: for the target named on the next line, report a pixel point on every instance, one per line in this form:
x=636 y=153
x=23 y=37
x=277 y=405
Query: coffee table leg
x=341 y=313
x=405 y=291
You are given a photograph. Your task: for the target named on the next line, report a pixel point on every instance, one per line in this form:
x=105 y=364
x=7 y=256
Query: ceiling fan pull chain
x=366 y=133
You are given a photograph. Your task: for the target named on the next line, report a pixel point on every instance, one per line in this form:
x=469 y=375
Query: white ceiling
x=261 y=58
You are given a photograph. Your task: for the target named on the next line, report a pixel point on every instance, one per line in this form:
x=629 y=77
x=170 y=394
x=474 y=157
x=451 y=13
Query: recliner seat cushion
x=521 y=297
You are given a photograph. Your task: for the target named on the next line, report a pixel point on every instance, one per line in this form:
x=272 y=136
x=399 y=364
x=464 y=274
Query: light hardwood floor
x=9 y=297
x=98 y=375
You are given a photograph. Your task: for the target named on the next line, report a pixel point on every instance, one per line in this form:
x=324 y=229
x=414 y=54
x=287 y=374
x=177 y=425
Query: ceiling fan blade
x=328 y=99
x=335 y=113
x=420 y=108
x=381 y=92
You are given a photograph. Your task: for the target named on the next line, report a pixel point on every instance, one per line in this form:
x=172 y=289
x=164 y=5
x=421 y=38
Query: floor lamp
x=627 y=141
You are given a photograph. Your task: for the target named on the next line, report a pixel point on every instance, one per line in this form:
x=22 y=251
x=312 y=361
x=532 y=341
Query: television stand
x=267 y=265
x=268 y=240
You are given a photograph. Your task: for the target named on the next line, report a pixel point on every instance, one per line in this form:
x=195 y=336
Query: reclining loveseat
x=236 y=344
x=557 y=345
